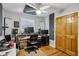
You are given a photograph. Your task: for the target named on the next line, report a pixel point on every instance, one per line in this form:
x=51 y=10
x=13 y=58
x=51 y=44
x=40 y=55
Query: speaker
x=15 y=31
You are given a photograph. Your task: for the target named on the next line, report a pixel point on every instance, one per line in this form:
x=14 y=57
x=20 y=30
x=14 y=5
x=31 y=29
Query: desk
x=22 y=41
x=44 y=39
x=27 y=37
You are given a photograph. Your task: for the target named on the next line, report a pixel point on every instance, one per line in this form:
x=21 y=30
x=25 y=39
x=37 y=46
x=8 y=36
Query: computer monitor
x=8 y=37
x=44 y=31
x=29 y=30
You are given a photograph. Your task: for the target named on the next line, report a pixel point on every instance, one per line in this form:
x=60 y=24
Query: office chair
x=32 y=43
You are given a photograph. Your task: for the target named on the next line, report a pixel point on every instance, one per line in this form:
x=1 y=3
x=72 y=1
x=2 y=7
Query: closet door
x=71 y=34
x=60 y=33
x=75 y=33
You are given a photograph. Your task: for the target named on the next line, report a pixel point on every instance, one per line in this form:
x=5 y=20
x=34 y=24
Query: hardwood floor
x=43 y=51
x=50 y=51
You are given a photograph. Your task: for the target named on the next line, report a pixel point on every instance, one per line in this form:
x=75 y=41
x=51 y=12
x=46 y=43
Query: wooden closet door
x=71 y=34
x=60 y=33
x=75 y=33
x=68 y=35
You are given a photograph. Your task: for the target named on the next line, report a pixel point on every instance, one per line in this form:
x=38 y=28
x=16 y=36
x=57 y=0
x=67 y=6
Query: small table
x=9 y=52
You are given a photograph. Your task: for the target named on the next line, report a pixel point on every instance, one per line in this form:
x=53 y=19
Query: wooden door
x=71 y=34
x=66 y=33
x=75 y=33
x=60 y=33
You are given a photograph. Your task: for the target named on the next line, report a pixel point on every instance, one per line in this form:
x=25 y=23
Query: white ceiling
x=18 y=7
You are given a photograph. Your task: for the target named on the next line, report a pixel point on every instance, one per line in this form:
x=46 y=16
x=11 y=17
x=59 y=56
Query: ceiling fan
x=36 y=8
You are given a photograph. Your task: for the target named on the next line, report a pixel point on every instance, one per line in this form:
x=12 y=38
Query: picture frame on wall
x=16 y=24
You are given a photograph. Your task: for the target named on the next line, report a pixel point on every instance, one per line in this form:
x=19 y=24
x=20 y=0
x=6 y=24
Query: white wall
x=68 y=11
x=17 y=17
x=47 y=22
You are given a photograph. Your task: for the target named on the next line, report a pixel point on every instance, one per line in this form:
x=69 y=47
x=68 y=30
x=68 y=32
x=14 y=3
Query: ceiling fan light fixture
x=38 y=12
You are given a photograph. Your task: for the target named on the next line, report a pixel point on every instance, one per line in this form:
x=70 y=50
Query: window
x=26 y=23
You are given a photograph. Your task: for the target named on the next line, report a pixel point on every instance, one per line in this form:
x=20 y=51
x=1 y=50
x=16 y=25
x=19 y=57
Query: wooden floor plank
x=59 y=54
x=50 y=51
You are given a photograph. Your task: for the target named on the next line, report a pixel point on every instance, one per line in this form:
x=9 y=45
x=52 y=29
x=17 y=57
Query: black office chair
x=32 y=43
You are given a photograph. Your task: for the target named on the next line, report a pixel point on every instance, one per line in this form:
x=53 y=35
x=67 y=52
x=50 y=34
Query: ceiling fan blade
x=31 y=5
x=31 y=11
x=44 y=7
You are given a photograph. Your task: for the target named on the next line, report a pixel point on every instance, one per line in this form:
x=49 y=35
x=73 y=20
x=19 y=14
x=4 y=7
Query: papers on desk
x=27 y=37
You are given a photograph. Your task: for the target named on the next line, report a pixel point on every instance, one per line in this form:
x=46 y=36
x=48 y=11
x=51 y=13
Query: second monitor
x=44 y=31
x=29 y=30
